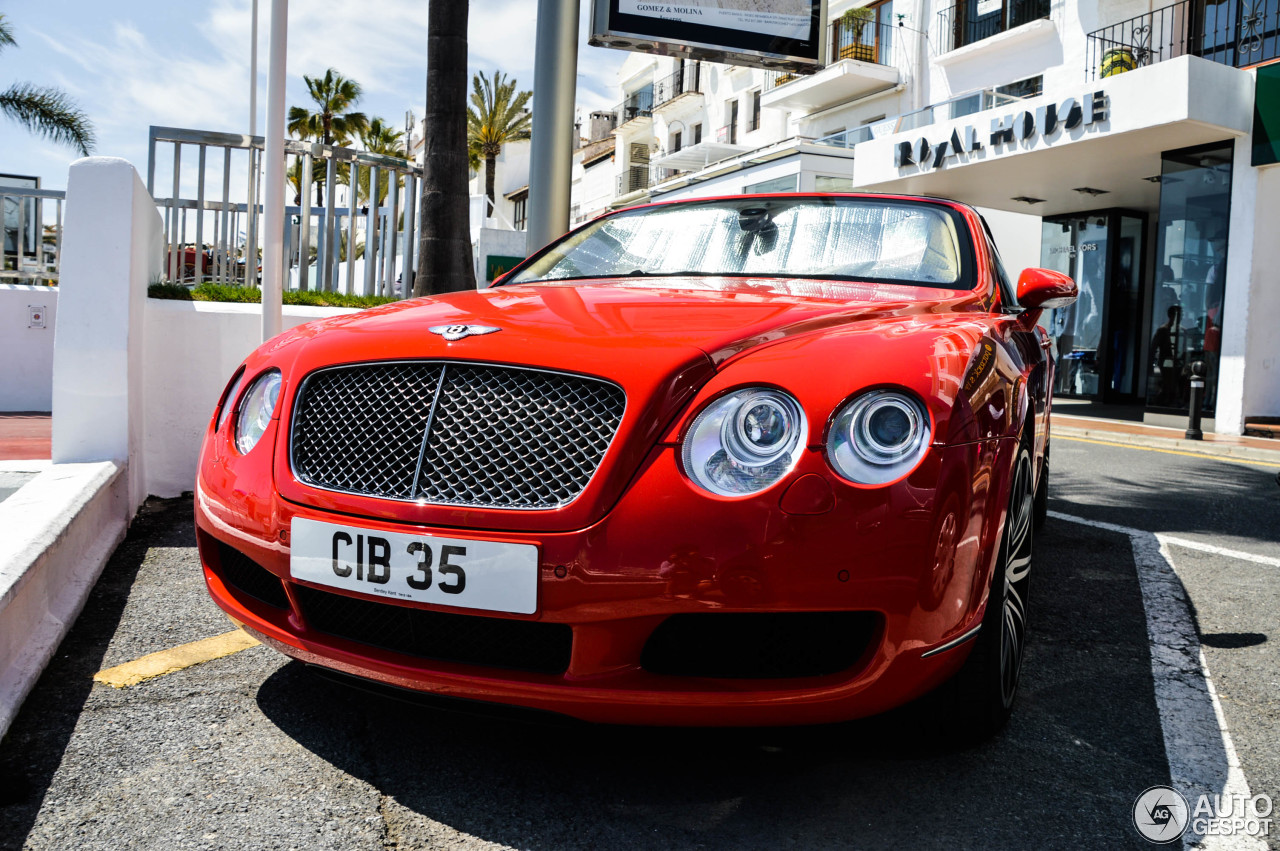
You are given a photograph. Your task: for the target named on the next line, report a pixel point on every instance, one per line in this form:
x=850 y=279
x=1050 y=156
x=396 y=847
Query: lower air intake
x=759 y=645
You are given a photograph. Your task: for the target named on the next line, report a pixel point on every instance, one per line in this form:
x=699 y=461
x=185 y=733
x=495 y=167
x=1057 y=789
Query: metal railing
x=660 y=174
x=773 y=79
x=688 y=79
x=970 y=21
x=33 y=248
x=864 y=41
x=1218 y=33
x=353 y=238
x=861 y=41
x=956 y=107
x=637 y=105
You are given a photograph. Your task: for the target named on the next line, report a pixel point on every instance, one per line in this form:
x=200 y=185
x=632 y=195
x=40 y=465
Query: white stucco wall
x=190 y=349
x=1261 y=378
x=1192 y=90
x=495 y=242
x=594 y=189
x=26 y=379
x=1017 y=239
x=112 y=247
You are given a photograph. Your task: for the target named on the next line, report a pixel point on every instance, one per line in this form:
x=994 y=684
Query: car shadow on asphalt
x=1084 y=742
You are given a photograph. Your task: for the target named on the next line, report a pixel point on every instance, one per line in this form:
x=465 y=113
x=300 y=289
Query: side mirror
x=1039 y=289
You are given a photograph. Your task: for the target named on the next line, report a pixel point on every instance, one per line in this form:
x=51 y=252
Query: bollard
x=1197 y=401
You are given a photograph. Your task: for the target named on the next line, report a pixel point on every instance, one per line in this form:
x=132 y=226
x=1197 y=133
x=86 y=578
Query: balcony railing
x=1214 y=32
x=687 y=79
x=658 y=174
x=637 y=105
x=974 y=20
x=870 y=42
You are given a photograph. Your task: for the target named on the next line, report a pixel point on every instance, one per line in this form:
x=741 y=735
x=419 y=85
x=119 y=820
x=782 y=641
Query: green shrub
x=252 y=295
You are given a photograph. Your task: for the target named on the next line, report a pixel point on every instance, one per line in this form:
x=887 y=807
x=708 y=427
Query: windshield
x=835 y=238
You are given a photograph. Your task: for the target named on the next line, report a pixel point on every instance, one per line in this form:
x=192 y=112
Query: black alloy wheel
x=977 y=702
x=1017 y=576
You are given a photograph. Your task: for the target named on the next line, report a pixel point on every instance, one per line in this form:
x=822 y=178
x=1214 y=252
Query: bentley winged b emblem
x=457 y=332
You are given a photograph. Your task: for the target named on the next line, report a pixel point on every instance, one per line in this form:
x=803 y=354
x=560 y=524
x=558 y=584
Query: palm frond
x=49 y=112
x=304 y=124
x=334 y=97
x=497 y=115
x=6 y=34
x=349 y=126
x=379 y=137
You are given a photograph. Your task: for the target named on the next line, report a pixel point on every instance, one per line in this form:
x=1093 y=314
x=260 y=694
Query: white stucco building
x=1099 y=137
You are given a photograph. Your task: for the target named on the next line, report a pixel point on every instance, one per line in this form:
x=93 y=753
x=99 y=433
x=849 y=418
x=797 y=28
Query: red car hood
x=560 y=325
x=661 y=344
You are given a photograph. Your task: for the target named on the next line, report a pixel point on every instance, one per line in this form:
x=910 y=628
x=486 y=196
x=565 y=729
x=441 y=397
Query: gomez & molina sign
x=1009 y=130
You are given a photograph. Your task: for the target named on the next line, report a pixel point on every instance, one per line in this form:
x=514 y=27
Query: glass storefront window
x=1190 y=274
x=1097 y=340
x=1078 y=247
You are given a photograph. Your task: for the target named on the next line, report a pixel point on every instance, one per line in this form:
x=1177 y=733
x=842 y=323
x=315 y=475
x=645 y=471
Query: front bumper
x=913 y=559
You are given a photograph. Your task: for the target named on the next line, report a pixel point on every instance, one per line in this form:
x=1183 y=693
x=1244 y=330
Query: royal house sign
x=1006 y=132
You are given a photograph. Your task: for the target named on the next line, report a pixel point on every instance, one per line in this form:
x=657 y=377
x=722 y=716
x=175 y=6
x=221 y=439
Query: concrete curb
x=1197 y=447
x=56 y=534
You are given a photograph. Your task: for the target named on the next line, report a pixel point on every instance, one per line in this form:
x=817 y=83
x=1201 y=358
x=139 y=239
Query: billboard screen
x=783 y=34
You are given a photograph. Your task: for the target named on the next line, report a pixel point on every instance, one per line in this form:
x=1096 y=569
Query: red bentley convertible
x=752 y=460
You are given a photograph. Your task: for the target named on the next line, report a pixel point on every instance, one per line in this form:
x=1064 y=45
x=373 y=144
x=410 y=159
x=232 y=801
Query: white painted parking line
x=1216 y=550
x=1202 y=758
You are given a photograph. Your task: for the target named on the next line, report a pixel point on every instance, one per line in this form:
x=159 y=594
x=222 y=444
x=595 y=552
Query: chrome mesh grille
x=495 y=436
x=359 y=429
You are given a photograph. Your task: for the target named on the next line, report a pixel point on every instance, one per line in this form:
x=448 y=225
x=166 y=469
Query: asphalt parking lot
x=253 y=751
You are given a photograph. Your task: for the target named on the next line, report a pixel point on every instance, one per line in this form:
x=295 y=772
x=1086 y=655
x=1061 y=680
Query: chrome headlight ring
x=745 y=442
x=878 y=437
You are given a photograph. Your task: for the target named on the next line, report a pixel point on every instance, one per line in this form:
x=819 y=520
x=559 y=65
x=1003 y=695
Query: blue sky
x=185 y=63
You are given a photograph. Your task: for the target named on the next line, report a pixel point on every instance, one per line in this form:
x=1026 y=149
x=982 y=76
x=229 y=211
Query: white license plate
x=459 y=572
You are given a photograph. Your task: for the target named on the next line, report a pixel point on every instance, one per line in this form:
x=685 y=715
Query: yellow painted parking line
x=175 y=659
x=1230 y=458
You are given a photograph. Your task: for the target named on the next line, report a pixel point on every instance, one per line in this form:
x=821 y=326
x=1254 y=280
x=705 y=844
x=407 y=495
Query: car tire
x=976 y=703
x=1041 y=505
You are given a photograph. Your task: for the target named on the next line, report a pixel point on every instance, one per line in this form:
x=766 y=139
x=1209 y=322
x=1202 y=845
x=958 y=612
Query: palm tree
x=45 y=110
x=333 y=122
x=379 y=138
x=497 y=115
x=336 y=96
x=444 y=243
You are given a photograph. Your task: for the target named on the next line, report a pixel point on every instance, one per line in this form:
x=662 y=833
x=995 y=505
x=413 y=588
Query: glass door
x=1077 y=246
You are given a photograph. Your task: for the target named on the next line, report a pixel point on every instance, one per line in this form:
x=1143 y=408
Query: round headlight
x=878 y=437
x=745 y=442
x=256 y=409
